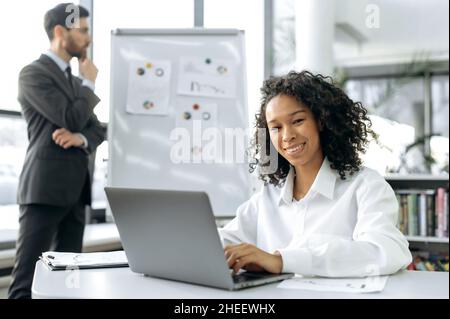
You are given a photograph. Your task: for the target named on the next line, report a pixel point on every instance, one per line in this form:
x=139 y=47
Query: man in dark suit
x=63 y=130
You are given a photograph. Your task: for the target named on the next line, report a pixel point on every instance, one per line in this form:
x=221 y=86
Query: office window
x=396 y=109
x=283 y=55
x=110 y=15
x=440 y=144
x=245 y=15
x=13 y=144
x=24 y=39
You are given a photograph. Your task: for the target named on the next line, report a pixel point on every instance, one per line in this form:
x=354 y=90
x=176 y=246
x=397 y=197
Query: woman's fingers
x=233 y=257
x=237 y=265
x=251 y=258
x=239 y=257
x=249 y=263
x=234 y=252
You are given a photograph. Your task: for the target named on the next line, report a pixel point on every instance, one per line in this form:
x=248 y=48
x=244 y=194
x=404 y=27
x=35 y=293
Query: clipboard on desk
x=70 y=261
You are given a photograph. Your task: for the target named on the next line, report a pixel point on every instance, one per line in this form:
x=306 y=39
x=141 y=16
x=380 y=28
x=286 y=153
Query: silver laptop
x=173 y=235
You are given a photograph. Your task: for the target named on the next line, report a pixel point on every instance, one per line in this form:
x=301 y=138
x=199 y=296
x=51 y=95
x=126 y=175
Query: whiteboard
x=161 y=81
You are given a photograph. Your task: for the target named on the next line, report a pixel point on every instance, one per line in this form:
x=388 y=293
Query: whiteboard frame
x=174 y=32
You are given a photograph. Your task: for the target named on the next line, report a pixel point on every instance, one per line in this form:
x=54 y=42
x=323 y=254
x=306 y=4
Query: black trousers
x=43 y=228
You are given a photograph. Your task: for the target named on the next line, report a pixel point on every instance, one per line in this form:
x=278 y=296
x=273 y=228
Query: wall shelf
x=420 y=239
x=421 y=182
x=415 y=177
x=417 y=181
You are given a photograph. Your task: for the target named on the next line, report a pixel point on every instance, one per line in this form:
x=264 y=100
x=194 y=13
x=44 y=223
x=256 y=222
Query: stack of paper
x=62 y=261
x=352 y=285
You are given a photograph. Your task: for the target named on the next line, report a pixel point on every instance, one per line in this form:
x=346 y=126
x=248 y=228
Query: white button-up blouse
x=340 y=228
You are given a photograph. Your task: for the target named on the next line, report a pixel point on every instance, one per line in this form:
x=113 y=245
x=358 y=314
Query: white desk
x=122 y=283
x=97 y=237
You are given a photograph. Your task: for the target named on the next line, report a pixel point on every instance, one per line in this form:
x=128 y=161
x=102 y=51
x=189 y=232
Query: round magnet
x=187 y=115
x=222 y=69
x=206 y=116
x=196 y=106
x=140 y=71
x=159 y=72
x=208 y=61
x=149 y=65
x=148 y=105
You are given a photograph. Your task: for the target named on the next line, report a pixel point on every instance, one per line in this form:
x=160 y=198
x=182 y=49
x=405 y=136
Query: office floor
x=4 y=283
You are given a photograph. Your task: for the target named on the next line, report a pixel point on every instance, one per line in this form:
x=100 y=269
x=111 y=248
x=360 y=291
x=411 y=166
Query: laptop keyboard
x=246 y=276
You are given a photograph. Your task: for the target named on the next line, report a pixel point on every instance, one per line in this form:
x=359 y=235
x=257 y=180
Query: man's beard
x=75 y=51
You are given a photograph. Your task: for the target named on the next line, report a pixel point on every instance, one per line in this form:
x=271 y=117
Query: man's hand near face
x=67 y=139
x=88 y=69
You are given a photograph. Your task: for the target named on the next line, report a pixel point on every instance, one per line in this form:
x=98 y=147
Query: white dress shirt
x=340 y=228
x=63 y=65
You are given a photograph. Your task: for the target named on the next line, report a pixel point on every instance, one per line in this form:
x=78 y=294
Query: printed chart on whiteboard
x=149 y=87
x=207 y=77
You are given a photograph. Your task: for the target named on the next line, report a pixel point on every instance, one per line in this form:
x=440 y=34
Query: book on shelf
x=441 y=212
x=431 y=225
x=412 y=215
x=423 y=212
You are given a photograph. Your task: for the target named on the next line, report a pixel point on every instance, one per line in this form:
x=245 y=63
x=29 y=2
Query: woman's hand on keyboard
x=251 y=258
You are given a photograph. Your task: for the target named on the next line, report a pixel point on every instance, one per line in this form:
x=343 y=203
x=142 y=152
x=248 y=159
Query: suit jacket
x=52 y=175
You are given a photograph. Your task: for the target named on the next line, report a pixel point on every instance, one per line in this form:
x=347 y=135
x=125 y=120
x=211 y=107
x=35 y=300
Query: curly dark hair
x=345 y=126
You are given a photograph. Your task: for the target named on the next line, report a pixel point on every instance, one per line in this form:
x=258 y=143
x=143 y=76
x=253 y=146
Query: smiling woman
x=320 y=211
x=342 y=125
x=294 y=131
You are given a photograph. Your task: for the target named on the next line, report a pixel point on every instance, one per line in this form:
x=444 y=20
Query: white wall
x=406 y=28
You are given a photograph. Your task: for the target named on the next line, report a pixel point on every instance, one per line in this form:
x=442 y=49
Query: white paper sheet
x=207 y=77
x=351 y=285
x=149 y=87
